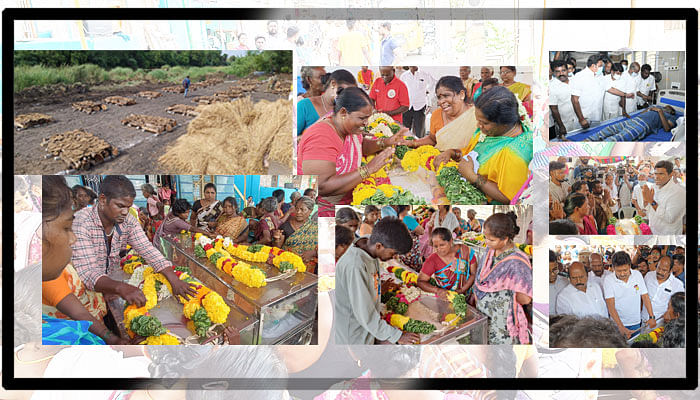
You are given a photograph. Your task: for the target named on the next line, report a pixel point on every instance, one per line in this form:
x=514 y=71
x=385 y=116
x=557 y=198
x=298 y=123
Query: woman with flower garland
x=311 y=109
x=175 y=222
x=452 y=265
x=454 y=122
x=231 y=224
x=299 y=234
x=333 y=148
x=503 y=282
x=502 y=144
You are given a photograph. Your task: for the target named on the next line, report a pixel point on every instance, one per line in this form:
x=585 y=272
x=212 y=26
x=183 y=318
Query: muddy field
x=138 y=150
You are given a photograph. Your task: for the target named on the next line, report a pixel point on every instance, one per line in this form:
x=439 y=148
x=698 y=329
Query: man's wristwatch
x=652 y=317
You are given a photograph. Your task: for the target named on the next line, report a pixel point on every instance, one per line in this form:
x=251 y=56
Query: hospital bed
x=672 y=97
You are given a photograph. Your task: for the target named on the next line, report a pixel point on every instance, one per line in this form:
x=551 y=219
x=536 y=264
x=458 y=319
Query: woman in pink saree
x=333 y=148
x=503 y=283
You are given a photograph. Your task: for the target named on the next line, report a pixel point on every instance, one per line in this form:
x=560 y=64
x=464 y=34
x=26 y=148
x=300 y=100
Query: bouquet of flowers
x=628 y=226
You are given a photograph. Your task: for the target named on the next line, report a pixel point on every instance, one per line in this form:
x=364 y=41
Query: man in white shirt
x=420 y=85
x=556 y=282
x=661 y=285
x=597 y=272
x=637 y=199
x=581 y=298
x=625 y=291
x=561 y=110
x=646 y=87
x=630 y=83
x=587 y=92
x=664 y=204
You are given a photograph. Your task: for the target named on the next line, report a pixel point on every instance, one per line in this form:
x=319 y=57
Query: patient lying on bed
x=639 y=127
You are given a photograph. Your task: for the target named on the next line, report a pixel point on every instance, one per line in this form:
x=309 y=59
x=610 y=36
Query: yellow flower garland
x=216 y=308
x=213 y=304
x=398 y=320
x=248 y=275
x=413 y=159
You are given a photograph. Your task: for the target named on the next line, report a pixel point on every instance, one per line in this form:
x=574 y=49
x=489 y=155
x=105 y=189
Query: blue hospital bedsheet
x=659 y=136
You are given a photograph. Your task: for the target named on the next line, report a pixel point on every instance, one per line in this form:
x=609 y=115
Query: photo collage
x=344 y=215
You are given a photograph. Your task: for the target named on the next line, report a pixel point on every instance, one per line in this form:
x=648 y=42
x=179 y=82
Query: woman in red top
x=452 y=265
x=333 y=148
x=578 y=210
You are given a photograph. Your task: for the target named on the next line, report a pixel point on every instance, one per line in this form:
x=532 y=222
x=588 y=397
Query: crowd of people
x=83 y=244
x=624 y=189
x=497 y=281
x=628 y=292
x=332 y=122
x=602 y=91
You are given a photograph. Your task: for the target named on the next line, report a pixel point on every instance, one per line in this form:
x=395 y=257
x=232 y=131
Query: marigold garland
x=418 y=157
x=214 y=305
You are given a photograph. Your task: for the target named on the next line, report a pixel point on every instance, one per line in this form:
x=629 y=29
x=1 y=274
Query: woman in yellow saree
x=501 y=149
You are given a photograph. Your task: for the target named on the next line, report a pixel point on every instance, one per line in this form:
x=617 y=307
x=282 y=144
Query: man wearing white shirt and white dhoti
x=420 y=85
x=587 y=92
x=581 y=298
x=646 y=87
x=561 y=110
x=597 y=272
x=661 y=285
x=665 y=203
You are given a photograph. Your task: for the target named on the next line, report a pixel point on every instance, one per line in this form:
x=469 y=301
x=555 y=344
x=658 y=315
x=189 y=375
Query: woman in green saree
x=300 y=233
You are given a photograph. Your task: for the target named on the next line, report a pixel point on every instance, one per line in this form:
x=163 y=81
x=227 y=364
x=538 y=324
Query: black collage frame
x=9 y=16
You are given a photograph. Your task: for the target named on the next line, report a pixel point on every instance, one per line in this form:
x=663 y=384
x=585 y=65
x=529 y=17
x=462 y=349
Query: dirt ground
x=138 y=150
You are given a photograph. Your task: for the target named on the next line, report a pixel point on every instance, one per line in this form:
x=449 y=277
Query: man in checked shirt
x=103 y=231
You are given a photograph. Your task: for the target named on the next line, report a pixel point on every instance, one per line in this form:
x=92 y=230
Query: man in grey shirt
x=357 y=286
x=558 y=187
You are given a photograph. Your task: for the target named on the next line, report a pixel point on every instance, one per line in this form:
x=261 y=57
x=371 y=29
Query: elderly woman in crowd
x=311 y=80
x=268 y=223
x=311 y=109
x=348 y=218
x=300 y=233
